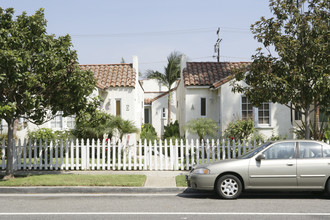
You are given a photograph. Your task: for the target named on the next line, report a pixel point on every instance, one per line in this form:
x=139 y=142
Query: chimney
x=136 y=67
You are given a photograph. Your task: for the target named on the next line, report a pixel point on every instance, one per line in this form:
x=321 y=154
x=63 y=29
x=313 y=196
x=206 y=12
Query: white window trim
x=255 y=111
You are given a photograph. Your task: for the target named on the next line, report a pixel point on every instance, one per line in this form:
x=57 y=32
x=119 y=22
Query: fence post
x=24 y=155
x=166 y=155
x=181 y=154
x=171 y=155
x=83 y=155
x=140 y=155
x=176 y=155
x=161 y=156
x=145 y=154
x=155 y=155
x=197 y=152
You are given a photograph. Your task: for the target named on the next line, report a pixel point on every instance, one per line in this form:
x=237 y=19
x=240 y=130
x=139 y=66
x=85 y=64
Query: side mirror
x=260 y=157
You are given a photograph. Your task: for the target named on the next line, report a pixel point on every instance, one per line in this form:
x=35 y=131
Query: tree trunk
x=169 y=107
x=316 y=131
x=307 y=123
x=10 y=150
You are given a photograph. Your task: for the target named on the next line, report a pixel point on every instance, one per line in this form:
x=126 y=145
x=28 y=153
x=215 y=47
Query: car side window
x=310 y=150
x=285 y=150
x=326 y=151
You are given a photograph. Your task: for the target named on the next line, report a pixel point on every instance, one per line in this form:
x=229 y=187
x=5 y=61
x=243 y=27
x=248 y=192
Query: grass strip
x=75 y=180
x=181 y=181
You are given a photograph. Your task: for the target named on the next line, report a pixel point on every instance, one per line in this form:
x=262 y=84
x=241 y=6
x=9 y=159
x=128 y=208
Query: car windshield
x=254 y=151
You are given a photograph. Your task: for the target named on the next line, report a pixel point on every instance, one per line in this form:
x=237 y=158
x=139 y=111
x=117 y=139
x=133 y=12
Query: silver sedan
x=283 y=165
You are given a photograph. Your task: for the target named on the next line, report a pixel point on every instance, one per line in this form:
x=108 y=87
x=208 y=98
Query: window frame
x=205 y=107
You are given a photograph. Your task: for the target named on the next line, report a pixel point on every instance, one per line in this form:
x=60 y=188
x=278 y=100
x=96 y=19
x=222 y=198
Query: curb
x=89 y=190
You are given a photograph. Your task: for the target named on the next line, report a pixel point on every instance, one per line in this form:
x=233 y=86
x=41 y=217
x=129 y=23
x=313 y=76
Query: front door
x=278 y=170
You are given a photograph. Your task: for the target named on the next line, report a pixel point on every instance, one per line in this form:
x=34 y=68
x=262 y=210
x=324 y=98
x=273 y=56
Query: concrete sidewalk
x=156 y=182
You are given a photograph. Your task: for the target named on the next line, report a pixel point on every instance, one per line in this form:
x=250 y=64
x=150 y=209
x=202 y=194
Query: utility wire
x=161 y=33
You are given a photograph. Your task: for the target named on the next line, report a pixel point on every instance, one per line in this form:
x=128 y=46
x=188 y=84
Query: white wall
x=193 y=105
x=280 y=121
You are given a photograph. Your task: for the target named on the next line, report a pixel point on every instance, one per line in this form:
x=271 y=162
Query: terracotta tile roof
x=209 y=73
x=112 y=75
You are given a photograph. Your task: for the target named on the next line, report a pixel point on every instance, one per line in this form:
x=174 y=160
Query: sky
x=105 y=31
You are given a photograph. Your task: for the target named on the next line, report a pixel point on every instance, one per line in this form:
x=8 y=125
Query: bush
x=202 y=127
x=240 y=129
x=172 y=131
x=148 y=133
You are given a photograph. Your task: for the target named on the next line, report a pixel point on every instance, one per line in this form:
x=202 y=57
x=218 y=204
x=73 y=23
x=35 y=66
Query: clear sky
x=104 y=31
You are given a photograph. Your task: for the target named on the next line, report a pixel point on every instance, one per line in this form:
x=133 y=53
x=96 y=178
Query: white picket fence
x=96 y=155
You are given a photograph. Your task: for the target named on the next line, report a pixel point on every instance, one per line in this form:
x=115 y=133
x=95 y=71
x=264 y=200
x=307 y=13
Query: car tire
x=327 y=188
x=229 y=187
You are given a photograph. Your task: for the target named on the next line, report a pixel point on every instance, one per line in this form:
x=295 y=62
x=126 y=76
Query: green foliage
x=124 y=126
x=48 y=134
x=327 y=134
x=171 y=74
x=299 y=71
x=4 y=137
x=172 y=131
x=98 y=124
x=42 y=134
x=202 y=127
x=148 y=133
x=39 y=73
x=240 y=129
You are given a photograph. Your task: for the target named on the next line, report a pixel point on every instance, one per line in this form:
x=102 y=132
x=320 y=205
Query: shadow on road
x=195 y=194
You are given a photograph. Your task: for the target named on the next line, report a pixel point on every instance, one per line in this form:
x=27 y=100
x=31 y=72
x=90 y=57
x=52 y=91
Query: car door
x=313 y=164
x=277 y=170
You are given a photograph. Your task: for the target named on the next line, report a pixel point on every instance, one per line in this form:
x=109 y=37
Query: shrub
x=172 y=131
x=202 y=127
x=148 y=133
x=240 y=129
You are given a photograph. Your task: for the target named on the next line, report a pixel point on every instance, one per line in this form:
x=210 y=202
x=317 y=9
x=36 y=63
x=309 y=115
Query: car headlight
x=201 y=171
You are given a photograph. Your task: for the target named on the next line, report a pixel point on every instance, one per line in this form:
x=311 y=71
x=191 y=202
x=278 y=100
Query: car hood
x=205 y=165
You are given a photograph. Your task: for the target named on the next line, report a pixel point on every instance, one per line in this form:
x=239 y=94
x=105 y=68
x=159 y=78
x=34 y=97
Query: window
x=118 y=107
x=284 y=150
x=310 y=150
x=70 y=121
x=163 y=113
x=247 y=110
x=297 y=115
x=263 y=113
x=57 y=121
x=203 y=106
x=147 y=116
x=326 y=151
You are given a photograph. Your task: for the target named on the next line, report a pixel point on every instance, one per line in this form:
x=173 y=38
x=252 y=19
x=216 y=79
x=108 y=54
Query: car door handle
x=289 y=164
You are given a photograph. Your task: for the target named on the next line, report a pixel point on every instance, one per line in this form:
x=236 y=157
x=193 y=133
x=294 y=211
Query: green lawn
x=75 y=180
x=181 y=181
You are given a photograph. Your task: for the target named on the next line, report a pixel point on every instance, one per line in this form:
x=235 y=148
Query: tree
x=202 y=127
x=298 y=76
x=39 y=74
x=171 y=74
x=94 y=125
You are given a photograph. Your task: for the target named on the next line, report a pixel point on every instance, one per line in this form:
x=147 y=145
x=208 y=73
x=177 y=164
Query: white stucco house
x=156 y=104
x=205 y=91
x=122 y=95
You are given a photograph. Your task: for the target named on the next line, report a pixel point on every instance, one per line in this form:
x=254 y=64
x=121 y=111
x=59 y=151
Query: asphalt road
x=164 y=206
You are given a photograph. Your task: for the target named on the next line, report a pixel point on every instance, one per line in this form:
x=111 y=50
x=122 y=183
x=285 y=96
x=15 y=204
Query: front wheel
x=229 y=187
x=327 y=188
